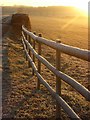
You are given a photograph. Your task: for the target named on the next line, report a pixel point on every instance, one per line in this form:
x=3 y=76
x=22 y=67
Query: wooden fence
x=59 y=47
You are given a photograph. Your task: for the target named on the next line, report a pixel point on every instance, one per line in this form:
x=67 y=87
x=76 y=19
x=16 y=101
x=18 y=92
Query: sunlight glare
x=82 y=6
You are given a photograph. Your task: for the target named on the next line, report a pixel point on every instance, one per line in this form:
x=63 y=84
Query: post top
x=58 y=40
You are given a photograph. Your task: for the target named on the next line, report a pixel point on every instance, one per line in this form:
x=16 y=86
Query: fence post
x=29 y=52
x=39 y=63
x=33 y=54
x=25 y=34
x=58 y=81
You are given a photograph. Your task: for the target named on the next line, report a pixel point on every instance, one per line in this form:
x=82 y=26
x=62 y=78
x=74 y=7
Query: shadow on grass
x=6 y=80
x=7 y=88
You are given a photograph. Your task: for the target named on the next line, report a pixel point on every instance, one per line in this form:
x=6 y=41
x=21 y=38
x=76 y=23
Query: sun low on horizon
x=83 y=5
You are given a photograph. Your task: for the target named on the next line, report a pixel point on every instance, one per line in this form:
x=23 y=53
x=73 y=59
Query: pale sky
x=44 y=2
x=77 y=3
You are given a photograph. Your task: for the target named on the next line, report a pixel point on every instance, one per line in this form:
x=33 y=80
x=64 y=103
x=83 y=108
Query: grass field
x=71 y=30
x=24 y=100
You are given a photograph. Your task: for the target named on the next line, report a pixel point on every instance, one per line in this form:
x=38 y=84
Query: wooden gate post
x=58 y=81
x=39 y=63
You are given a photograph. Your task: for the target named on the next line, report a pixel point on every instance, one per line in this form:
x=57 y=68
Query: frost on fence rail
x=59 y=99
x=80 y=88
x=70 y=50
x=77 y=52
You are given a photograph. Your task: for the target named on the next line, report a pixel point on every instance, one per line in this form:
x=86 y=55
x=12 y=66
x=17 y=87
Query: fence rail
x=59 y=47
x=73 y=51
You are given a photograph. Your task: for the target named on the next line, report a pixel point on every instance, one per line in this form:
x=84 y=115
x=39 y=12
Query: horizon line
x=37 y=6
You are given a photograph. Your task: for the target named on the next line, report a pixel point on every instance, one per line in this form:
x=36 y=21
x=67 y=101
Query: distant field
x=65 y=23
x=71 y=30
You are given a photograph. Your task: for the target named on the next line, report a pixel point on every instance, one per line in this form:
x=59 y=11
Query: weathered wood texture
x=59 y=47
x=60 y=101
x=80 y=88
x=73 y=51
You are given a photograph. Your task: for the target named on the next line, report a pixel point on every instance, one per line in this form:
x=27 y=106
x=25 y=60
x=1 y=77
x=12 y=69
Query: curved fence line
x=80 y=88
x=73 y=51
x=29 y=47
x=61 y=102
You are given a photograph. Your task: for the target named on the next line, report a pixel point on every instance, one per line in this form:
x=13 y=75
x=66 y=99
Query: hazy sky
x=45 y=2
